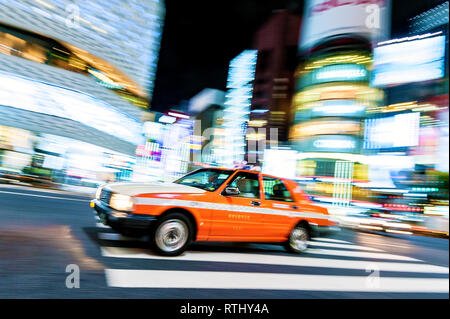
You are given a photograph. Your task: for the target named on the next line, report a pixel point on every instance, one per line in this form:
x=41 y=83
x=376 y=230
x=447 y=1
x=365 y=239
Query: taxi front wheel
x=172 y=234
x=298 y=239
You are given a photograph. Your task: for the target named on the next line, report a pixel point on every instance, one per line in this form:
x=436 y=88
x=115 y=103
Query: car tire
x=298 y=239
x=172 y=234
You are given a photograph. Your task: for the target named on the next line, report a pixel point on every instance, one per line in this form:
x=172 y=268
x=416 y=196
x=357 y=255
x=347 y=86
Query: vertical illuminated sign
x=237 y=106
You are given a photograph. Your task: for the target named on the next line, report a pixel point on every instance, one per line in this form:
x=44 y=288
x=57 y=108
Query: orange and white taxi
x=212 y=204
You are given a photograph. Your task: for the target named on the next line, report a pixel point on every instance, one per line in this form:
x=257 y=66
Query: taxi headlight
x=98 y=192
x=121 y=202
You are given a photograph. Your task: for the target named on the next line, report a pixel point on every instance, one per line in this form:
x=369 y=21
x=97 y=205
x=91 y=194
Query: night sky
x=200 y=38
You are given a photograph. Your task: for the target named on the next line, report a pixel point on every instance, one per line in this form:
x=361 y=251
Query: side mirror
x=232 y=191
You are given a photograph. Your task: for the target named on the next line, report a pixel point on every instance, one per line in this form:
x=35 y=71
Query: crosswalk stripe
x=331 y=240
x=241 y=280
x=398 y=246
x=358 y=254
x=300 y=261
x=347 y=246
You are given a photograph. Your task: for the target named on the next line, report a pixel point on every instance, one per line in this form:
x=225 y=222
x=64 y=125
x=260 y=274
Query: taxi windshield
x=207 y=179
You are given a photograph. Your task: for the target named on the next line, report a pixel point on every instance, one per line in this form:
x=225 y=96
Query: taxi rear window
x=275 y=189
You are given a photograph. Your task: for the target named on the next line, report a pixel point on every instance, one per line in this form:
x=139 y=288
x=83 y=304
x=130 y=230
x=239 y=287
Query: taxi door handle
x=255 y=203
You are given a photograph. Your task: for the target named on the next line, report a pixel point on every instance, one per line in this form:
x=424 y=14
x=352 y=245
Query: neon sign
x=335 y=73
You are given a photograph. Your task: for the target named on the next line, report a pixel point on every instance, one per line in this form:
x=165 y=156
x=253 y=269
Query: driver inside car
x=248 y=188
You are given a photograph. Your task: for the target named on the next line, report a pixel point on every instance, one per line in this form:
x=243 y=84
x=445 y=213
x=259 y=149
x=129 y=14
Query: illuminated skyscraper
x=90 y=63
x=121 y=37
x=276 y=42
x=333 y=86
x=334 y=93
x=75 y=78
x=237 y=107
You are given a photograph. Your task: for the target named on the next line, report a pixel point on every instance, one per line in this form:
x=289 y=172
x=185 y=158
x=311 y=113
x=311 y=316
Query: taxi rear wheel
x=172 y=234
x=298 y=239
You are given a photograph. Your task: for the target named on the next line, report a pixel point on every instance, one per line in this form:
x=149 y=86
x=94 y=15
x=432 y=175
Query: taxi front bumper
x=124 y=222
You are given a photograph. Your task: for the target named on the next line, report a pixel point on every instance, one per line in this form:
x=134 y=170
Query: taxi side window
x=247 y=183
x=275 y=189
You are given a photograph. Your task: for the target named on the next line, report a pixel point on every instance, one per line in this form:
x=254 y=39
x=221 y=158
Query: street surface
x=42 y=232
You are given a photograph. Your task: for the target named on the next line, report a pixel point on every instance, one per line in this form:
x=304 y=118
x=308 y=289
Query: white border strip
x=242 y=280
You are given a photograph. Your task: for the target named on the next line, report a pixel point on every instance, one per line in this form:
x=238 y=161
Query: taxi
x=213 y=204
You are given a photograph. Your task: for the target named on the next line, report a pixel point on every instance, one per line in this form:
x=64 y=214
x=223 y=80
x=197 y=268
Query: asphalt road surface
x=46 y=236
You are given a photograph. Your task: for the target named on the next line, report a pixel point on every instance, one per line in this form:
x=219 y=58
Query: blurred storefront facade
x=77 y=78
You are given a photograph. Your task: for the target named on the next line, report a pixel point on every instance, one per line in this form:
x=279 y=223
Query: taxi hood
x=133 y=189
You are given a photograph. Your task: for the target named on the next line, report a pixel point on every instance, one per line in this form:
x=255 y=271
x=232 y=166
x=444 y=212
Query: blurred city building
x=418 y=83
x=371 y=112
x=416 y=96
x=274 y=85
x=231 y=147
x=413 y=122
x=166 y=151
x=205 y=99
x=333 y=96
x=431 y=20
x=75 y=81
x=207 y=109
x=121 y=38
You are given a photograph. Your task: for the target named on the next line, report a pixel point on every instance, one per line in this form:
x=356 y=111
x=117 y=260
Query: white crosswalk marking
x=358 y=254
x=331 y=240
x=301 y=261
x=347 y=246
x=242 y=280
x=328 y=265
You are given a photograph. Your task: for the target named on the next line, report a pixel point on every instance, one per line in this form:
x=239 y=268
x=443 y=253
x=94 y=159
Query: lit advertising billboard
x=443 y=147
x=281 y=163
x=341 y=108
x=324 y=127
x=335 y=73
x=327 y=18
x=398 y=131
x=330 y=143
x=409 y=61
